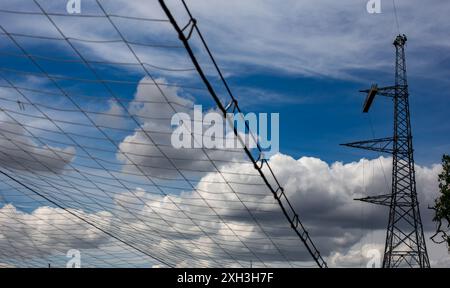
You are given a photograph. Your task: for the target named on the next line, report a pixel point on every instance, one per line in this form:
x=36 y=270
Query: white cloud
x=326 y=38
x=322 y=194
x=149 y=149
x=47 y=231
x=330 y=38
x=365 y=256
x=211 y=223
x=21 y=152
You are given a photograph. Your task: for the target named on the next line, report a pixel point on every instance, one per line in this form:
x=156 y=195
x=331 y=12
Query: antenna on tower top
x=400 y=40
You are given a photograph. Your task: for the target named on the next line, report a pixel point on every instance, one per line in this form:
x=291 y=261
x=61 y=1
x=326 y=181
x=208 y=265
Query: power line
x=277 y=192
x=16 y=12
x=90 y=181
x=82 y=219
x=396 y=16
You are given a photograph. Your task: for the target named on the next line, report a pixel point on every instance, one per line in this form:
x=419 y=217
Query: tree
x=442 y=205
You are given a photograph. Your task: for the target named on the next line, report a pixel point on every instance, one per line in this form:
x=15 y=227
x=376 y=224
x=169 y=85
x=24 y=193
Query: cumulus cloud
x=321 y=193
x=47 y=231
x=149 y=149
x=366 y=255
x=342 y=40
x=22 y=153
x=113 y=117
x=368 y=252
x=211 y=226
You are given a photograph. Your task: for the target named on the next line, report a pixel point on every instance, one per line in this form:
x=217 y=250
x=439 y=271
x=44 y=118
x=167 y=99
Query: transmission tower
x=405 y=241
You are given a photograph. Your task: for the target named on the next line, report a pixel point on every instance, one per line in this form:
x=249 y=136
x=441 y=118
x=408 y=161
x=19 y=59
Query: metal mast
x=405 y=241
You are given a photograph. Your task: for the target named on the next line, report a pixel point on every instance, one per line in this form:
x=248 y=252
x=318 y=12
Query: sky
x=305 y=60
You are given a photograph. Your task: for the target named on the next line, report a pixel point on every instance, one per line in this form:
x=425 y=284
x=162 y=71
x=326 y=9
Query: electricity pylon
x=405 y=242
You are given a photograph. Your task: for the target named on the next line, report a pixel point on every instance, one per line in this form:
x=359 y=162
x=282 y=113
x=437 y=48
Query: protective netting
x=86 y=161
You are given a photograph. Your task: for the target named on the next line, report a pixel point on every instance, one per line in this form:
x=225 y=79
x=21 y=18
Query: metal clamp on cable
x=260 y=159
x=278 y=193
x=192 y=24
x=295 y=221
x=233 y=103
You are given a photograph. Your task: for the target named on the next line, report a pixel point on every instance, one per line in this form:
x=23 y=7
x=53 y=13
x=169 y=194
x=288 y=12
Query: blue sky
x=315 y=93
x=318 y=99
x=329 y=112
x=305 y=60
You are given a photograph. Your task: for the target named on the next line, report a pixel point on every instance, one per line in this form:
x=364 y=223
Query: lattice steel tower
x=405 y=241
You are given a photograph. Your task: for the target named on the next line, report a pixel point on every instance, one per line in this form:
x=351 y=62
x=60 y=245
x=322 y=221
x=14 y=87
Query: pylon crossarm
x=388 y=91
x=384 y=200
x=379 y=145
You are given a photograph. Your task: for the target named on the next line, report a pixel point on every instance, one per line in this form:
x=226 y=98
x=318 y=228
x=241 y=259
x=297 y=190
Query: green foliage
x=442 y=203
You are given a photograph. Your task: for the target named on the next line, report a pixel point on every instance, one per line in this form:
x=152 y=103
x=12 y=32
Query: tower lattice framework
x=405 y=242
